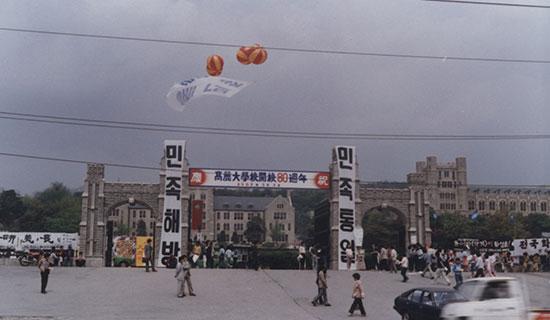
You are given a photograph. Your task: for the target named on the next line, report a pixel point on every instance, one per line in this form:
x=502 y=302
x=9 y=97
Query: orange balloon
x=214 y=65
x=255 y=54
x=258 y=55
x=243 y=54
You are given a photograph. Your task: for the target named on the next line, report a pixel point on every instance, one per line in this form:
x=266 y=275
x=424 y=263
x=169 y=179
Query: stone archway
x=131 y=212
x=385 y=226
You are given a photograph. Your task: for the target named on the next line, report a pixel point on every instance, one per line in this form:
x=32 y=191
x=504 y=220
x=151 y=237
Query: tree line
x=55 y=209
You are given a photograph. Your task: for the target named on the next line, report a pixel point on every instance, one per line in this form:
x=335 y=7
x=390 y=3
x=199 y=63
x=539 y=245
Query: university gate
x=167 y=203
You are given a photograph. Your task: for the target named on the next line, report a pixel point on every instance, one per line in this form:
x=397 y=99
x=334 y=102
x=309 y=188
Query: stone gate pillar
x=345 y=205
x=92 y=224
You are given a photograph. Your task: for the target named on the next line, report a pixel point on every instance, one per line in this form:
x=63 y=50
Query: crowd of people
x=439 y=264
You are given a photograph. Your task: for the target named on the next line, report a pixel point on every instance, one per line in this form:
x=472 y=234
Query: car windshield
x=444 y=297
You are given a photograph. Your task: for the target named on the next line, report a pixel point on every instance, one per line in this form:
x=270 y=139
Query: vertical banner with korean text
x=345 y=156
x=170 y=242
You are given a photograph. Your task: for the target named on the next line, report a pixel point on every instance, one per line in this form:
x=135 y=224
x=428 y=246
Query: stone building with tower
x=432 y=187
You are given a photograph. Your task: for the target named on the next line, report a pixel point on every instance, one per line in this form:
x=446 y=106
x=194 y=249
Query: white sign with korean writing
x=531 y=246
x=170 y=241
x=37 y=240
x=181 y=93
x=345 y=161
x=231 y=178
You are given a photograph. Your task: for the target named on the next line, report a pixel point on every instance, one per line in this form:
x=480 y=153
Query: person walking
x=383 y=258
x=148 y=256
x=44 y=267
x=404 y=265
x=183 y=275
x=457 y=270
x=322 y=286
x=358 y=296
x=69 y=256
x=209 y=254
x=314 y=258
x=428 y=265
x=441 y=268
x=392 y=259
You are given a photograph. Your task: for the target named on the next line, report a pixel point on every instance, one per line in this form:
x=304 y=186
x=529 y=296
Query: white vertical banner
x=346 y=158
x=170 y=240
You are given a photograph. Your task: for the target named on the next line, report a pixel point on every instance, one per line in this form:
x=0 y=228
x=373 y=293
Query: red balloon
x=214 y=65
x=255 y=54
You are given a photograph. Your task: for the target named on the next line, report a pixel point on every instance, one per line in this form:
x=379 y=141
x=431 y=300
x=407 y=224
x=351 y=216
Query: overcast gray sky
x=128 y=81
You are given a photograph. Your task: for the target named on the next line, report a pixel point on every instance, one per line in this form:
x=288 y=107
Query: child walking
x=358 y=296
x=183 y=274
x=457 y=270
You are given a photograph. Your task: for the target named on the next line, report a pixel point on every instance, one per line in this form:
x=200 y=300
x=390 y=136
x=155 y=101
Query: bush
x=278 y=258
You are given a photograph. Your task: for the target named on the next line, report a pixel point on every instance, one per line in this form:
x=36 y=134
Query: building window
x=439 y=174
x=203 y=196
x=226 y=226
x=250 y=215
x=446 y=174
x=226 y=215
x=491 y=205
x=471 y=205
x=134 y=224
x=282 y=227
x=513 y=206
x=218 y=215
x=533 y=206
x=134 y=213
x=239 y=215
x=502 y=205
x=286 y=237
x=439 y=184
x=280 y=205
x=442 y=206
x=218 y=227
x=289 y=227
x=454 y=176
x=152 y=225
x=523 y=206
x=192 y=196
x=543 y=207
x=481 y=205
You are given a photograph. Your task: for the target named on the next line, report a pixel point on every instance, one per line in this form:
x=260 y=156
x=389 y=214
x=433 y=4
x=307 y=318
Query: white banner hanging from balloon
x=181 y=93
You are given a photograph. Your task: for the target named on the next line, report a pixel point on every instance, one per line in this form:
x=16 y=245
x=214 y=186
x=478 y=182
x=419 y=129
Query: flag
x=181 y=93
x=474 y=215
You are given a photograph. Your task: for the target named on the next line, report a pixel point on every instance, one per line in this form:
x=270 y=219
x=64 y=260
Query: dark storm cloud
x=123 y=80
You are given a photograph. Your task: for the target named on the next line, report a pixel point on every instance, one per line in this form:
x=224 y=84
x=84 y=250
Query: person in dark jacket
x=148 y=256
x=44 y=267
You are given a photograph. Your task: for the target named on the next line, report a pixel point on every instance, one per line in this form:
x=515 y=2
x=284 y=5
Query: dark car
x=425 y=303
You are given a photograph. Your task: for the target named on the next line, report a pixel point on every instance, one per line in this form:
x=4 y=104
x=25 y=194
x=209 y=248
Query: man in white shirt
x=404 y=264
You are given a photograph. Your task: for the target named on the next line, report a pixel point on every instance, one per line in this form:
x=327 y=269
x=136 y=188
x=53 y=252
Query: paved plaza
x=117 y=293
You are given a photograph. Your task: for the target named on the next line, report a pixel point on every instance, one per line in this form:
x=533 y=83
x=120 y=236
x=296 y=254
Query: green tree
x=255 y=230
x=11 y=209
x=536 y=223
x=56 y=209
x=448 y=227
x=141 y=229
